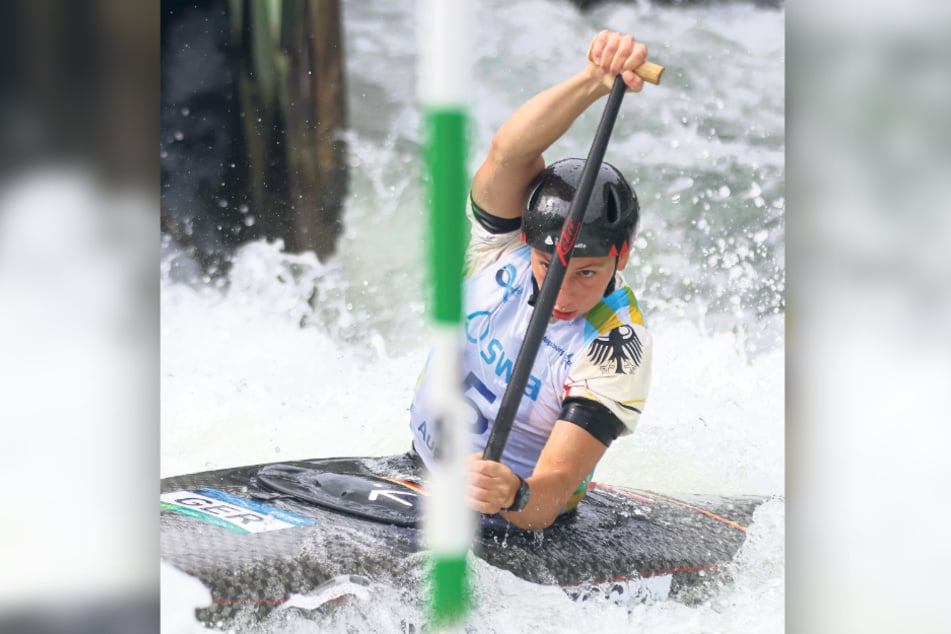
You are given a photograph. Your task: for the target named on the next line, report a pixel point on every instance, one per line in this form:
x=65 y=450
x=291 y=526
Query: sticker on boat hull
x=230 y=512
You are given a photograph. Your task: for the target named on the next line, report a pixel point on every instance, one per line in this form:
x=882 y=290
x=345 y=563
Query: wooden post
x=294 y=110
x=312 y=102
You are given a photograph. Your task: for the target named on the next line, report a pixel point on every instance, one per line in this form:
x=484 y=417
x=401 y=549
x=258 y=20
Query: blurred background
x=79 y=249
x=868 y=314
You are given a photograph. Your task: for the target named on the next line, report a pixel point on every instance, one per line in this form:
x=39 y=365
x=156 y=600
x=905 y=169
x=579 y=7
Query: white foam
x=181 y=595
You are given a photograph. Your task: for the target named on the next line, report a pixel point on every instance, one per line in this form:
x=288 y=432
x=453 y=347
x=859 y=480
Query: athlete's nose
x=565 y=293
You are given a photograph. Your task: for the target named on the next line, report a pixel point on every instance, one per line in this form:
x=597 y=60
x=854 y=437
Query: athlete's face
x=585 y=282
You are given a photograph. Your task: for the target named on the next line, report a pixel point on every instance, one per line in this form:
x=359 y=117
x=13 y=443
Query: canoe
x=303 y=534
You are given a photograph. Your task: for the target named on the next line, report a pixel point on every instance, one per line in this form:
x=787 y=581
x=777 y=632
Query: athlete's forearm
x=544 y=118
x=549 y=495
x=570 y=454
x=515 y=156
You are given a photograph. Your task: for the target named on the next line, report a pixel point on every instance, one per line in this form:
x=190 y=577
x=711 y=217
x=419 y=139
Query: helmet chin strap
x=531 y=300
x=611 y=285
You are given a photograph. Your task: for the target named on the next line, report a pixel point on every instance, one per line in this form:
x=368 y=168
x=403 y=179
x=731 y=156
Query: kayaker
x=591 y=376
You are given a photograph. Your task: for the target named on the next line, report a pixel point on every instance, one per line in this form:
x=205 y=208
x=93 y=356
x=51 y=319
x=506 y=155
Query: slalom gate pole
x=445 y=45
x=553 y=279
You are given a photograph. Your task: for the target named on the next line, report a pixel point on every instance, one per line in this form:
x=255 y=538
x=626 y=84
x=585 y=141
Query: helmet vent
x=536 y=193
x=613 y=210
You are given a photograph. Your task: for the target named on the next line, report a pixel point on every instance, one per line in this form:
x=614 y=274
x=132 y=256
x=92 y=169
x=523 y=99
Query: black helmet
x=609 y=222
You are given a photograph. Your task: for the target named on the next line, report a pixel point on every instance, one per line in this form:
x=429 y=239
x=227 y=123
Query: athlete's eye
x=587 y=274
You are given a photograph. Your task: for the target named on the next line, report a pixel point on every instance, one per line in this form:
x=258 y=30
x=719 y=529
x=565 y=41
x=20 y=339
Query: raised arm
x=515 y=156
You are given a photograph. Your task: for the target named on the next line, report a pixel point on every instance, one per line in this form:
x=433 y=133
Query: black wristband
x=521 y=496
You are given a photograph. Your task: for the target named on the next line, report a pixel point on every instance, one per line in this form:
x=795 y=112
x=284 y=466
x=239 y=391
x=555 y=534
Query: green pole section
x=446 y=161
x=450 y=586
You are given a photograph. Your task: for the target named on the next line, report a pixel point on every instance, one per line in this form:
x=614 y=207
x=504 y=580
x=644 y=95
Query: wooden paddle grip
x=649 y=72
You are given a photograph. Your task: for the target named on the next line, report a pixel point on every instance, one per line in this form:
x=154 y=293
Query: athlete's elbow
x=544 y=522
x=503 y=151
x=532 y=519
x=511 y=153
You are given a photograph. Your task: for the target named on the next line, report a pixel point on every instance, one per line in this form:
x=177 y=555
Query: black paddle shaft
x=545 y=302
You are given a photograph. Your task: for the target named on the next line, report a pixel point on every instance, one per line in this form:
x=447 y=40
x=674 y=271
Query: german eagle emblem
x=620 y=347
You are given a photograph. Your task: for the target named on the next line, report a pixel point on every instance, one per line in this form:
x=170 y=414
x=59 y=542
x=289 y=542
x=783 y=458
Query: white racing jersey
x=604 y=355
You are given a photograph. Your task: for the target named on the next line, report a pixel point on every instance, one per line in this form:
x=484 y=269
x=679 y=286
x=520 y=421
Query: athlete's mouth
x=561 y=314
